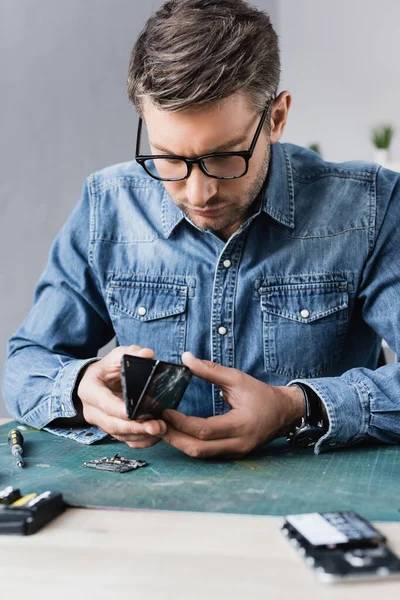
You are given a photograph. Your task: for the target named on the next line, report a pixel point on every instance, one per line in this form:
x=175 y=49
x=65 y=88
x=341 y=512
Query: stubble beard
x=240 y=210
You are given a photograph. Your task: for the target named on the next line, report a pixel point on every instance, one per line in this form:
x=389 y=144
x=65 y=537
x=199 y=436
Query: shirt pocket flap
x=304 y=302
x=146 y=301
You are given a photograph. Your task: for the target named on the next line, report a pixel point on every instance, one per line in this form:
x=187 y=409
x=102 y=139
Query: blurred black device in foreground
x=341 y=546
x=24 y=515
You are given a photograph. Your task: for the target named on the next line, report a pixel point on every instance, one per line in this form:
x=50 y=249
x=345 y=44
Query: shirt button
x=305 y=313
x=227 y=263
x=221 y=393
x=142 y=311
x=62 y=407
x=222 y=330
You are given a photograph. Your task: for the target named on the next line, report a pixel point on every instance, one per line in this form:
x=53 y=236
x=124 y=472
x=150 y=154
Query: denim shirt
x=305 y=291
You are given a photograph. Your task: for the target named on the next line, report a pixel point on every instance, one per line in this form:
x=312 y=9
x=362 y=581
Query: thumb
x=212 y=372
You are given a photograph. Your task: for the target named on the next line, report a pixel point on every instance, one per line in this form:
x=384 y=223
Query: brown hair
x=193 y=52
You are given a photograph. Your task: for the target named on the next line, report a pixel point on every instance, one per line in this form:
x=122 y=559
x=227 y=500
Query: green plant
x=382 y=136
x=315 y=147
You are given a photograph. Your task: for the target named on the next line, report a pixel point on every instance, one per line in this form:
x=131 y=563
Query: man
x=276 y=270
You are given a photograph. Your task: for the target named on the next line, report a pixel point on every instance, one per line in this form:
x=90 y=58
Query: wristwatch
x=312 y=426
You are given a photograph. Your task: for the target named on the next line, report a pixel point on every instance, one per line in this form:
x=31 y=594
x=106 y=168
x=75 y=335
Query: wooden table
x=97 y=554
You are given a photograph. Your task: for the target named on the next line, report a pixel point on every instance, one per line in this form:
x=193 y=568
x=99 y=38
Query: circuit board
x=277 y=480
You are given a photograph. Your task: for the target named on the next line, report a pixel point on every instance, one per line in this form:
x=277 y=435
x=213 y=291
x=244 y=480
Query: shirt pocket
x=151 y=314
x=304 y=325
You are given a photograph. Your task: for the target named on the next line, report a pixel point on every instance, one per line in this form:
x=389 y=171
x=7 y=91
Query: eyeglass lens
x=217 y=166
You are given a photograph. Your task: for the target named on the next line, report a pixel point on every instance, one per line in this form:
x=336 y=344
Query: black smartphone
x=150 y=386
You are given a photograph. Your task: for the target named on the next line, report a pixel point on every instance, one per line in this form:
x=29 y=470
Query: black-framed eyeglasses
x=219 y=165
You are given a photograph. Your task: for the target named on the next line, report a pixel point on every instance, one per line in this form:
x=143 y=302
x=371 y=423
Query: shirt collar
x=278 y=201
x=279 y=190
x=171 y=215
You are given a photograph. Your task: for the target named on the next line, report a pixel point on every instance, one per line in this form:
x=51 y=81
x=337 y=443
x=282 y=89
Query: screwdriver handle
x=15 y=438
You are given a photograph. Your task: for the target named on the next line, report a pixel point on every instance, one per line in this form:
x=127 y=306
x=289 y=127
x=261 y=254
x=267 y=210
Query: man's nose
x=200 y=188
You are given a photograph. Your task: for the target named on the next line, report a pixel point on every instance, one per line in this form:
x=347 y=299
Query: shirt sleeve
x=362 y=402
x=63 y=332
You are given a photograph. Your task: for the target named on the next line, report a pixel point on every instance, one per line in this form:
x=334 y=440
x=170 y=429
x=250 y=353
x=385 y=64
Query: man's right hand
x=100 y=392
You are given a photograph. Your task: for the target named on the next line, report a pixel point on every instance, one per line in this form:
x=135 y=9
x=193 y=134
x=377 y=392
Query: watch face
x=307 y=436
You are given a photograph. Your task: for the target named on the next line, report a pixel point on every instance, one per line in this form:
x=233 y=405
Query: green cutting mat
x=277 y=481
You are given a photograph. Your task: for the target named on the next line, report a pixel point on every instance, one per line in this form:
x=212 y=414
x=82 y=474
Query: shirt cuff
x=84 y=435
x=61 y=402
x=348 y=408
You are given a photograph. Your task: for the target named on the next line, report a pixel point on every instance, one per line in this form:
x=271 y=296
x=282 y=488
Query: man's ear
x=280 y=110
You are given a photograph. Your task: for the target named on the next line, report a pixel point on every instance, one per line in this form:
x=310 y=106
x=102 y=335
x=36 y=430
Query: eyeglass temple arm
x=139 y=136
x=259 y=128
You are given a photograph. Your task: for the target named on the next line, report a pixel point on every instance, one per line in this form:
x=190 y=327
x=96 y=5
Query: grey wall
x=341 y=62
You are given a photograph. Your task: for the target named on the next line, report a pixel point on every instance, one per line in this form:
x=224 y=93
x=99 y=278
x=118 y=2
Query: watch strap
x=313 y=405
x=312 y=426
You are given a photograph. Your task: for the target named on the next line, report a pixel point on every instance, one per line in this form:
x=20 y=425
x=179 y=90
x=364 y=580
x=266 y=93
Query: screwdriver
x=16 y=442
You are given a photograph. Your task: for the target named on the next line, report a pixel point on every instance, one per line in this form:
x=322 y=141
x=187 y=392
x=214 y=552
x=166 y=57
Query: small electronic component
x=24 y=515
x=117 y=463
x=341 y=546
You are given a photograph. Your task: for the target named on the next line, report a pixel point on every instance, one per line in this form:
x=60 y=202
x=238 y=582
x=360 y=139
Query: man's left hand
x=259 y=413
